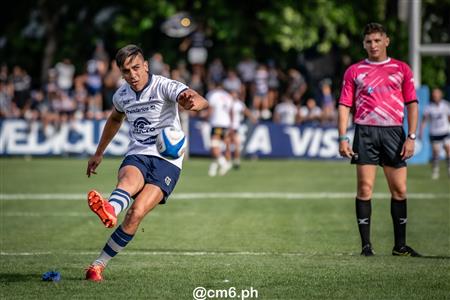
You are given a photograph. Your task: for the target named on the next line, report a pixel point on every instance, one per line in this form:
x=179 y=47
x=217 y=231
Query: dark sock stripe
x=109 y=250
x=118 y=240
x=125 y=236
x=123 y=192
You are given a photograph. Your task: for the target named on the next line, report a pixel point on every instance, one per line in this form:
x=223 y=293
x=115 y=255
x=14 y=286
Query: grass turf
x=283 y=248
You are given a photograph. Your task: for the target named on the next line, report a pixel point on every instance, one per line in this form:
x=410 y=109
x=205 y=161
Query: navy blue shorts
x=156 y=171
x=378 y=145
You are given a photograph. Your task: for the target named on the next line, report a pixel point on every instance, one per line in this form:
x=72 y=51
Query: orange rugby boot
x=94 y=273
x=102 y=209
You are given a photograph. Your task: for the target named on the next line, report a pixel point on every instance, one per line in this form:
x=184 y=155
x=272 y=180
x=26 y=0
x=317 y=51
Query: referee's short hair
x=127 y=51
x=374 y=28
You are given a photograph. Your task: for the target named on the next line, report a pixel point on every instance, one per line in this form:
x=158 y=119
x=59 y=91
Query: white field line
x=170 y=253
x=224 y=195
x=46 y=214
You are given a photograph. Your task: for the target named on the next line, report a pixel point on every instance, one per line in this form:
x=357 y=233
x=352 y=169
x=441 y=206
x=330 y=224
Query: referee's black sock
x=363 y=213
x=398 y=213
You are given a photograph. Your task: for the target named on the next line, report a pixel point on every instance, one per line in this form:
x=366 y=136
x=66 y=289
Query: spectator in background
x=111 y=82
x=232 y=83
x=437 y=115
x=329 y=113
x=157 y=63
x=261 y=96
x=196 y=46
x=7 y=109
x=80 y=96
x=310 y=113
x=216 y=71
x=175 y=74
x=246 y=69
x=65 y=71
x=22 y=85
x=197 y=83
x=94 y=88
x=184 y=72
x=296 y=86
x=285 y=112
x=4 y=73
x=273 y=83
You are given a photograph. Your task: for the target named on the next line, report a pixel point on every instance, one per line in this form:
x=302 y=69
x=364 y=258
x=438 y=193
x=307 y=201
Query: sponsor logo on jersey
x=138 y=110
x=141 y=129
x=126 y=101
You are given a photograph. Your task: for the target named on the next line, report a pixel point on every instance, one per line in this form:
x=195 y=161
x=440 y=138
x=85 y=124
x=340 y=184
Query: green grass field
x=221 y=233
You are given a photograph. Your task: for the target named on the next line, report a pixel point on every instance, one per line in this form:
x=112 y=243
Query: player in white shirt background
x=437 y=115
x=148 y=103
x=220 y=116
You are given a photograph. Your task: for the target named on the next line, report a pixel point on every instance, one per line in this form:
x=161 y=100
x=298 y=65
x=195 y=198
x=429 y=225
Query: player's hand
x=408 y=149
x=345 y=150
x=93 y=163
x=186 y=99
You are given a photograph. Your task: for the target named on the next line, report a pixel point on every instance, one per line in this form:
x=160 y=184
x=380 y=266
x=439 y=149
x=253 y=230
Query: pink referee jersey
x=378 y=91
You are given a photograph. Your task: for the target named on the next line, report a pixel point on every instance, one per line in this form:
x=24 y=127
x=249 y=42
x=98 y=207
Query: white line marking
x=242 y=195
x=54 y=214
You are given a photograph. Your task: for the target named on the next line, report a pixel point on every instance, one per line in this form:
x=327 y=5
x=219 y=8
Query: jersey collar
x=139 y=93
x=377 y=62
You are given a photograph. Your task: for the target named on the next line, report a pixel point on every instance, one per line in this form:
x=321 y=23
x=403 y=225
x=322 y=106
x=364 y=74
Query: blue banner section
x=266 y=140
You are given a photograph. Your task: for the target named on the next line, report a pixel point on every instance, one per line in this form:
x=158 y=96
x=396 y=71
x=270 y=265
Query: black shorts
x=376 y=145
x=155 y=170
x=439 y=138
x=221 y=132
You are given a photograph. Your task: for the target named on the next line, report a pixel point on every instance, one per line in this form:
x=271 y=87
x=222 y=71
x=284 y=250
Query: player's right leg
x=365 y=180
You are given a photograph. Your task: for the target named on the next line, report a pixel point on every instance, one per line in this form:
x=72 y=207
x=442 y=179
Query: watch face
x=412 y=136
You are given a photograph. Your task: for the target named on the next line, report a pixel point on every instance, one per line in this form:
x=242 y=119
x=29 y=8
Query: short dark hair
x=373 y=28
x=127 y=51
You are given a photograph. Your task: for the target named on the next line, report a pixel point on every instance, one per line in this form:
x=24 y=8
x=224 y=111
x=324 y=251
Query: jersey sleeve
x=408 y=89
x=172 y=89
x=348 y=89
x=116 y=102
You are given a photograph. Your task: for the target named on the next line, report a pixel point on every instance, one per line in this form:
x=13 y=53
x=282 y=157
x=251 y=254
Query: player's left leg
x=396 y=179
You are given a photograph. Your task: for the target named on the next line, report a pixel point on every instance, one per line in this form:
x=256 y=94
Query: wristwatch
x=412 y=136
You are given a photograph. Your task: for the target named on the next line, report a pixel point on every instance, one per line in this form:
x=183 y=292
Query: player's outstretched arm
x=111 y=127
x=191 y=100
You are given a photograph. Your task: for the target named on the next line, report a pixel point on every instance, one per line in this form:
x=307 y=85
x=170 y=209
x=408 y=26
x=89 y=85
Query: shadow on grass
x=435 y=257
x=14 y=277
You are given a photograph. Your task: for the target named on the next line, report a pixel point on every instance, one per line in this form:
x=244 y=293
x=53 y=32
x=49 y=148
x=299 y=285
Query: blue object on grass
x=51 y=276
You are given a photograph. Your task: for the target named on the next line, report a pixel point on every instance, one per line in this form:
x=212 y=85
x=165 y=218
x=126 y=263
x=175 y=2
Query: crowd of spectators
x=272 y=94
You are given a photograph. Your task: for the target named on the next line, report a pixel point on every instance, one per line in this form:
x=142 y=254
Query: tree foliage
x=48 y=30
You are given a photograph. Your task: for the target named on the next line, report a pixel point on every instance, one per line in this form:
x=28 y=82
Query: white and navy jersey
x=220 y=102
x=149 y=111
x=437 y=115
x=238 y=113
